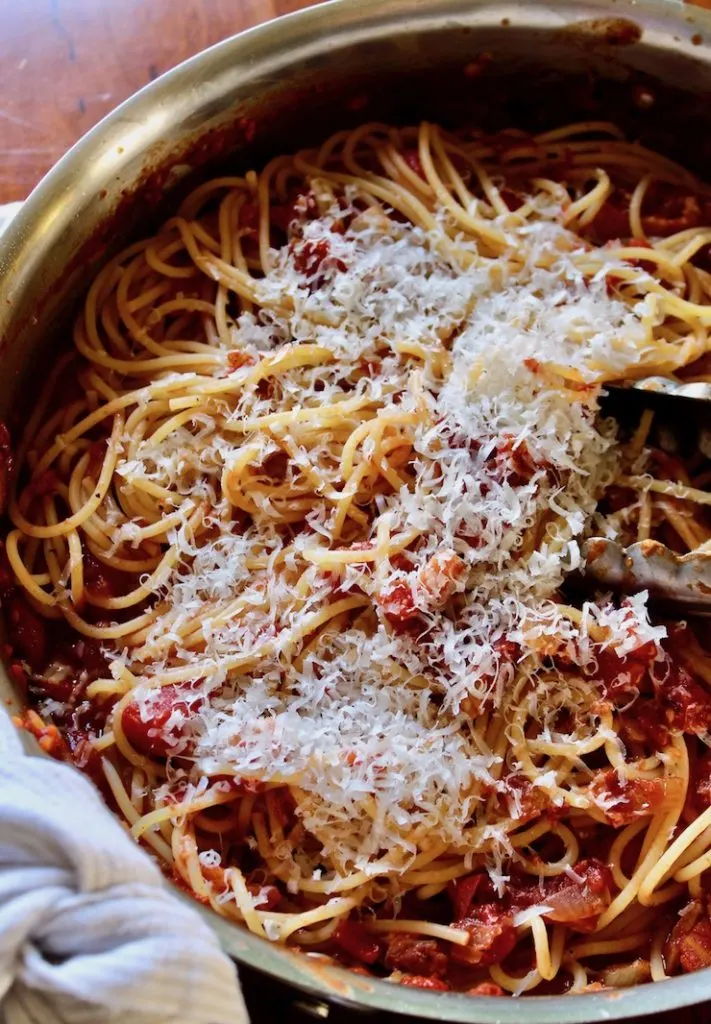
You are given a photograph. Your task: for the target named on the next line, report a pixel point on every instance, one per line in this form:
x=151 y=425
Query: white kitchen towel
x=89 y=932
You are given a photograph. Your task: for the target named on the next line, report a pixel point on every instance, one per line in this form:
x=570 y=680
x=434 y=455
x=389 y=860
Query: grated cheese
x=371 y=728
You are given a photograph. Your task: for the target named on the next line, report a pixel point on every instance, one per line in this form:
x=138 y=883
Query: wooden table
x=64 y=64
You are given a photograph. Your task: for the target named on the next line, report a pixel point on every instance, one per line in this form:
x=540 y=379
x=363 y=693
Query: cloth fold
x=89 y=934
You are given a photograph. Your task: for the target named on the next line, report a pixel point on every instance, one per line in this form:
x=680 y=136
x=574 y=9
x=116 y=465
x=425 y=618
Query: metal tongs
x=677 y=584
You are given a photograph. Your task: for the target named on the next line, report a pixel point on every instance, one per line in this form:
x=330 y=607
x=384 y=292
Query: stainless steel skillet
x=285 y=83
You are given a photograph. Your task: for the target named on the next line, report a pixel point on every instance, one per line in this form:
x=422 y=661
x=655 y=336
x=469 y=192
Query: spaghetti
x=289 y=530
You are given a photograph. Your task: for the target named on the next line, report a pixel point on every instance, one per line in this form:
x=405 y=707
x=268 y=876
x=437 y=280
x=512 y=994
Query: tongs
x=677 y=584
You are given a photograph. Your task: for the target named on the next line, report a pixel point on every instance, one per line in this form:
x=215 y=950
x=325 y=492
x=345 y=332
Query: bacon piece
x=633 y=798
x=415 y=955
x=442 y=576
x=357 y=941
x=461 y=892
x=576 y=901
x=152 y=737
x=6 y=465
x=492 y=935
x=419 y=981
x=578 y=904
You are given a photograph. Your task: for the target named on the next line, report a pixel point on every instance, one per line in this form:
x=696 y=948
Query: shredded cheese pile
x=372 y=726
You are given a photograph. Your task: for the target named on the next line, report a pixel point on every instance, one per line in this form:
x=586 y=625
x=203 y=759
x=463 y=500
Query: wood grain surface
x=64 y=64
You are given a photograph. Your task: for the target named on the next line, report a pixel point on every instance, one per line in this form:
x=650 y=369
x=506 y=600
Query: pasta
x=291 y=529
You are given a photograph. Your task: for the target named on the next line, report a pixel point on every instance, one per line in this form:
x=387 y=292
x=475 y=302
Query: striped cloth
x=89 y=934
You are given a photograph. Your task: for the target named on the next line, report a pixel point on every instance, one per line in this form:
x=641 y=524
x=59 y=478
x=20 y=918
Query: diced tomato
x=27 y=630
x=701 y=781
x=621 y=676
x=644 y=724
x=45 y=483
x=486 y=988
x=667 y=466
x=420 y=981
x=689 y=944
x=7 y=576
x=415 y=955
x=275 y=466
x=301 y=207
x=687 y=703
x=47 y=734
x=512 y=199
x=313 y=259
x=669 y=208
x=6 y=465
x=357 y=941
x=236 y=359
x=83 y=753
x=492 y=935
x=151 y=737
x=613 y=219
x=633 y=798
x=513 y=461
x=85 y=655
x=442 y=576
x=524 y=800
x=98 y=578
x=399 y=608
x=370 y=367
x=249 y=216
x=412 y=159
x=461 y=892
x=267 y=897
x=97 y=454
x=507 y=650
